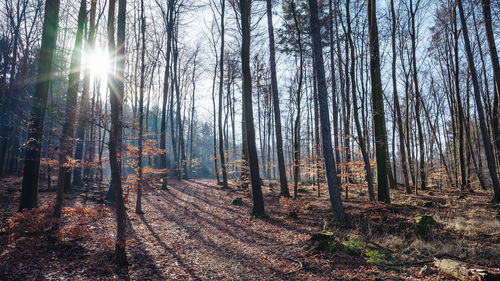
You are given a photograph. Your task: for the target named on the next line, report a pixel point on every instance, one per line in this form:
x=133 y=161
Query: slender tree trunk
x=324 y=114
x=253 y=161
x=417 y=97
x=163 y=125
x=482 y=122
x=397 y=108
x=221 y=92
x=83 y=114
x=66 y=142
x=496 y=72
x=296 y=128
x=461 y=123
x=29 y=193
x=361 y=139
x=116 y=102
x=138 y=203
x=378 y=106
x=335 y=117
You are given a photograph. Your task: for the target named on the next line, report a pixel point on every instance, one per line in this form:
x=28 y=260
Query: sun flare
x=99 y=63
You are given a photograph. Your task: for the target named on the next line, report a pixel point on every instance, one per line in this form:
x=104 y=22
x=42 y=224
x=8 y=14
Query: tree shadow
x=169 y=250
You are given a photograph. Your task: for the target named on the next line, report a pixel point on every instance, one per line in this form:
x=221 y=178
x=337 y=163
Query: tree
x=116 y=89
x=397 y=107
x=276 y=103
x=29 y=192
x=163 y=122
x=253 y=161
x=496 y=72
x=84 y=101
x=380 y=133
x=361 y=138
x=138 y=205
x=221 y=92
x=331 y=170
x=418 y=101
x=66 y=142
x=479 y=106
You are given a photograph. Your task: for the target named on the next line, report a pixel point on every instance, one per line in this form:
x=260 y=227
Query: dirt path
x=193 y=232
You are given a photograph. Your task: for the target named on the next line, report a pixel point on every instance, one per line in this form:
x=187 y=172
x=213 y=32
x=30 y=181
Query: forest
x=249 y=140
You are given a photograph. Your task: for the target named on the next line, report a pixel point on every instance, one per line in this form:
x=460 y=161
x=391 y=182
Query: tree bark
x=253 y=161
x=29 y=193
x=482 y=122
x=378 y=106
x=331 y=170
x=84 y=102
x=221 y=92
x=66 y=142
x=276 y=103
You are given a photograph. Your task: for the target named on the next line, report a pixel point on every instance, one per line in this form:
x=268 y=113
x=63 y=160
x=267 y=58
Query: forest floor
x=194 y=231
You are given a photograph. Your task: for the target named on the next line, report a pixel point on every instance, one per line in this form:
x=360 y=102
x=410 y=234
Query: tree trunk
x=361 y=139
x=378 y=106
x=482 y=122
x=116 y=91
x=296 y=128
x=163 y=129
x=66 y=142
x=29 y=193
x=496 y=72
x=402 y=151
x=83 y=114
x=253 y=161
x=331 y=170
x=221 y=92
x=138 y=203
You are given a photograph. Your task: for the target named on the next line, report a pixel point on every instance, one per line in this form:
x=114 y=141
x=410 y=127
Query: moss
x=424 y=225
x=237 y=201
x=428 y=204
x=497 y=216
x=301 y=190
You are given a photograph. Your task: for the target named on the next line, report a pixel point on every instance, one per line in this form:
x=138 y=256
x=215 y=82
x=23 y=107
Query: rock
x=237 y=201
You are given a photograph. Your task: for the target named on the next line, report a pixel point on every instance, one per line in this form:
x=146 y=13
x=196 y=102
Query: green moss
x=424 y=225
x=428 y=204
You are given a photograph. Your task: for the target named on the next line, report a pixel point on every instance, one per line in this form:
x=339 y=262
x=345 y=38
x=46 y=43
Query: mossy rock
x=424 y=225
x=324 y=242
x=237 y=201
x=302 y=190
x=428 y=204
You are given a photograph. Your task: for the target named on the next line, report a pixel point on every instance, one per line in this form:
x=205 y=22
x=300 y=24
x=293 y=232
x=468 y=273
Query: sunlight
x=99 y=63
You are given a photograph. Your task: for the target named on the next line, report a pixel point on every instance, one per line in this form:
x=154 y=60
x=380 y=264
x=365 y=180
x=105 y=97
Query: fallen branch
x=296 y=261
x=465 y=271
